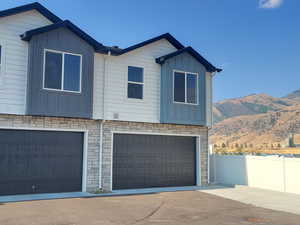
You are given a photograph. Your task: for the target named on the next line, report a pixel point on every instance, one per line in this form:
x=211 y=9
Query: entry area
x=145 y=161
x=33 y=161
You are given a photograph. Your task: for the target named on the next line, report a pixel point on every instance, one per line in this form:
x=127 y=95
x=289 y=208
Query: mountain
x=294 y=95
x=249 y=105
x=256 y=119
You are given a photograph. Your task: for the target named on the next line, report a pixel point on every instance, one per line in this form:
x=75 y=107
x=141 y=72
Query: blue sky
x=257 y=43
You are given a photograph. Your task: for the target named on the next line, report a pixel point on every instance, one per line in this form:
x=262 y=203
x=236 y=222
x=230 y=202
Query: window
x=135 y=87
x=185 y=87
x=62 y=71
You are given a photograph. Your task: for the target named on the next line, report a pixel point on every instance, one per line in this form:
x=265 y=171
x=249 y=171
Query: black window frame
x=142 y=83
x=185 y=74
x=62 y=89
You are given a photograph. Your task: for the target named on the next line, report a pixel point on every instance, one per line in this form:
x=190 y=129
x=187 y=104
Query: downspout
x=103 y=117
x=209 y=153
x=104 y=82
x=100 y=155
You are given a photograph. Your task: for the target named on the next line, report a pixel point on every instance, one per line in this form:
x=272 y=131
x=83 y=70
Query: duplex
x=76 y=115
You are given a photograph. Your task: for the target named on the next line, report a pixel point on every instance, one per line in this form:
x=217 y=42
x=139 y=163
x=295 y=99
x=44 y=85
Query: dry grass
x=258 y=151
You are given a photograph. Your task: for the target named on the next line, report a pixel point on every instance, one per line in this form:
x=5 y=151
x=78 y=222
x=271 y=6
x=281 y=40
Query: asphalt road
x=174 y=208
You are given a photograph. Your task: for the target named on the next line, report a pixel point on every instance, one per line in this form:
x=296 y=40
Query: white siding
x=116 y=101
x=14 y=76
x=209 y=100
x=99 y=61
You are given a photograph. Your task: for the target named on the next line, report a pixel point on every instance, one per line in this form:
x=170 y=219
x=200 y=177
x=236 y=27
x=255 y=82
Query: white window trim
x=133 y=82
x=63 y=72
x=184 y=73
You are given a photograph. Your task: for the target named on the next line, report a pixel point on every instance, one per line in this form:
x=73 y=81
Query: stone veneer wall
x=110 y=126
x=93 y=127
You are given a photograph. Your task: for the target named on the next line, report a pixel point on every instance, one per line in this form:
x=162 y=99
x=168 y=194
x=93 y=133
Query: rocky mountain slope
x=256 y=119
x=294 y=95
x=251 y=105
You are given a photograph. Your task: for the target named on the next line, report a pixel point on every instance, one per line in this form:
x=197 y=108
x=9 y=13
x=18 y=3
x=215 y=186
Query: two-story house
x=76 y=115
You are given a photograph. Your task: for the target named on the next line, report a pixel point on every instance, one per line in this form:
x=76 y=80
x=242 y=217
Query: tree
x=278 y=145
x=291 y=140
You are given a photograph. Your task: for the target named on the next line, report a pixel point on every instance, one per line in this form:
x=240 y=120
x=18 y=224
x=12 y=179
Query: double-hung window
x=62 y=71
x=185 y=87
x=135 y=86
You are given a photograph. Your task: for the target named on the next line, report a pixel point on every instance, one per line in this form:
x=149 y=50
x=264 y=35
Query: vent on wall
x=116 y=116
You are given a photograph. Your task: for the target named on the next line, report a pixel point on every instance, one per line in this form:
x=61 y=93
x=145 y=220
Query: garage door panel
x=142 y=161
x=40 y=161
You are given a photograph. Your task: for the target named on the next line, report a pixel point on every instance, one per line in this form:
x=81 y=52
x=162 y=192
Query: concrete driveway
x=176 y=208
x=275 y=200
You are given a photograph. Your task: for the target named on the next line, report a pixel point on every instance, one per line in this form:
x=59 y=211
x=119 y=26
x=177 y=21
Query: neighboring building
x=76 y=115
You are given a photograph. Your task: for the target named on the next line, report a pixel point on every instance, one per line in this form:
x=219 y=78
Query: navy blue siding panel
x=57 y=103
x=177 y=113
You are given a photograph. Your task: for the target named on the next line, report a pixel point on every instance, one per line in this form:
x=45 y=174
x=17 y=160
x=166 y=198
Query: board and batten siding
x=44 y=102
x=116 y=104
x=209 y=99
x=179 y=113
x=13 y=80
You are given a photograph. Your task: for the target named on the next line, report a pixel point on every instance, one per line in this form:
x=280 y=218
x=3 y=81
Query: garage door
x=143 y=161
x=40 y=161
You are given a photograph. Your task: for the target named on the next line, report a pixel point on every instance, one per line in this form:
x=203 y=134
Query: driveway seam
x=150 y=214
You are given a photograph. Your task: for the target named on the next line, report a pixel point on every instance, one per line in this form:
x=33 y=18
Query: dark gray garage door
x=143 y=161
x=40 y=161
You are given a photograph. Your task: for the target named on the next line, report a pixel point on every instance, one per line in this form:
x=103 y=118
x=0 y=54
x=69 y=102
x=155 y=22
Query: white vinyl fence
x=268 y=172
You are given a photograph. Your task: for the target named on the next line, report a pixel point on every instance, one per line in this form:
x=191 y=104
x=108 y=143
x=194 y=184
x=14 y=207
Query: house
x=76 y=115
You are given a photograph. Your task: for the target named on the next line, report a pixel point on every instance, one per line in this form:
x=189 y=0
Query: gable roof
x=67 y=24
x=33 y=6
x=57 y=23
x=208 y=66
x=166 y=36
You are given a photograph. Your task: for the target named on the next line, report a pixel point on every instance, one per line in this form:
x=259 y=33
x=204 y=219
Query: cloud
x=270 y=4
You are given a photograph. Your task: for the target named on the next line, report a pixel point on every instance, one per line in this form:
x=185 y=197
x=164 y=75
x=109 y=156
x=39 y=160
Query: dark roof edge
x=57 y=22
x=166 y=36
x=209 y=67
x=37 y=6
x=66 y=23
